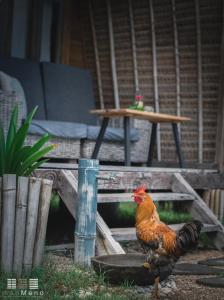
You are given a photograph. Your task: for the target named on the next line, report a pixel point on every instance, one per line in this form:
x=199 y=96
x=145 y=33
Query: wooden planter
x=24 y=206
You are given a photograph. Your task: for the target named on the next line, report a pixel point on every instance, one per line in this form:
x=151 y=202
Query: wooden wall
x=198 y=42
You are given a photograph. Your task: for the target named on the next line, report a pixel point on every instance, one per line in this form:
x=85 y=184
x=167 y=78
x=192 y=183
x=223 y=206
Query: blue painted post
x=85 y=229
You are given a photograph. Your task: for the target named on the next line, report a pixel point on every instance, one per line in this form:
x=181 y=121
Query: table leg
x=177 y=143
x=100 y=138
x=152 y=144
x=127 y=146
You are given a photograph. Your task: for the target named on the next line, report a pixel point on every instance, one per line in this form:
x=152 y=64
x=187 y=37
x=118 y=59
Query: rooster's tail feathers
x=188 y=235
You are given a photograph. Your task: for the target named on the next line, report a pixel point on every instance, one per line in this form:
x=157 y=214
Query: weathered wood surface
x=110 y=244
x=147 y=115
x=127 y=197
x=177 y=62
x=197 y=178
x=129 y=233
x=199 y=209
x=31 y=224
x=199 y=75
x=44 y=205
x=20 y=224
x=112 y=56
x=8 y=222
x=59 y=247
x=219 y=155
x=133 y=45
x=96 y=52
x=68 y=186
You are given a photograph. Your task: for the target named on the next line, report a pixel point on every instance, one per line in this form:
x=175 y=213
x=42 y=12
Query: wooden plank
x=68 y=192
x=199 y=71
x=177 y=63
x=31 y=223
x=133 y=45
x=129 y=233
x=219 y=156
x=96 y=52
x=199 y=209
x=45 y=198
x=59 y=247
x=127 y=197
x=111 y=245
x=20 y=224
x=8 y=222
x=155 y=75
x=112 y=56
x=147 y=115
x=197 y=178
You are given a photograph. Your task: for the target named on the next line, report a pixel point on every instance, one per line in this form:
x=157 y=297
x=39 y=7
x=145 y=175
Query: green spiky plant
x=15 y=157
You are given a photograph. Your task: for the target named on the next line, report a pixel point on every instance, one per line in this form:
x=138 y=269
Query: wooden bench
x=152 y=117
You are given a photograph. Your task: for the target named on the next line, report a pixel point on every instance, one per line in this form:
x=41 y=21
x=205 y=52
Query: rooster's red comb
x=140 y=189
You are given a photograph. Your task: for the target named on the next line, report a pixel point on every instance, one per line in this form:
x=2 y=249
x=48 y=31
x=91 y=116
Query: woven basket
x=8 y=101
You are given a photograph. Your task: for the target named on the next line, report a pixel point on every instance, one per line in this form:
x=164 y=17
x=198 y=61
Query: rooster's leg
x=157 y=294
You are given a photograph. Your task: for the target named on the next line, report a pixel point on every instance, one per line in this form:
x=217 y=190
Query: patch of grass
x=167 y=214
x=75 y=283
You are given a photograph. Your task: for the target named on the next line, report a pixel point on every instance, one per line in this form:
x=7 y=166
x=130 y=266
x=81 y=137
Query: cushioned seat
x=70 y=130
x=112 y=134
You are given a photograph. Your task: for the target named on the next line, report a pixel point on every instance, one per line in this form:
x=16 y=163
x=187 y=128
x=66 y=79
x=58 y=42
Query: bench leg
x=100 y=138
x=152 y=144
x=127 y=146
x=177 y=143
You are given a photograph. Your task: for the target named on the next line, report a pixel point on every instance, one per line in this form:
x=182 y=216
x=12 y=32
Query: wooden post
x=155 y=76
x=85 y=229
x=133 y=44
x=8 y=222
x=31 y=224
x=200 y=101
x=20 y=224
x=112 y=56
x=96 y=52
x=177 y=62
x=45 y=198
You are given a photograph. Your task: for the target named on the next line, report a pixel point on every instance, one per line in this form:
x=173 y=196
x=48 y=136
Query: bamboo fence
x=24 y=207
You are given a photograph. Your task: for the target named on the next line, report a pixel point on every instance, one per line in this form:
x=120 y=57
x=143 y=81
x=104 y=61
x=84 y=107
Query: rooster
x=162 y=244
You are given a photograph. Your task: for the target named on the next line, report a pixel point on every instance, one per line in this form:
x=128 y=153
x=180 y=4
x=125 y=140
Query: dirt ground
x=188 y=289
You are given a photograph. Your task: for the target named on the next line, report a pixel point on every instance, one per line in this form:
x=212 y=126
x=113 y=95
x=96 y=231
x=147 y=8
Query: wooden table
x=152 y=117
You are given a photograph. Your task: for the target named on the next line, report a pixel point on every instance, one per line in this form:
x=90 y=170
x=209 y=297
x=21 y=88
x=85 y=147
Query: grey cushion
x=68 y=93
x=112 y=134
x=12 y=85
x=59 y=129
x=28 y=74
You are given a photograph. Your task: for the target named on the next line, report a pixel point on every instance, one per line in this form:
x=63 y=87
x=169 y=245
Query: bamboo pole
x=20 y=224
x=199 y=71
x=45 y=198
x=31 y=224
x=155 y=76
x=8 y=222
x=112 y=56
x=133 y=44
x=85 y=229
x=96 y=52
x=177 y=63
